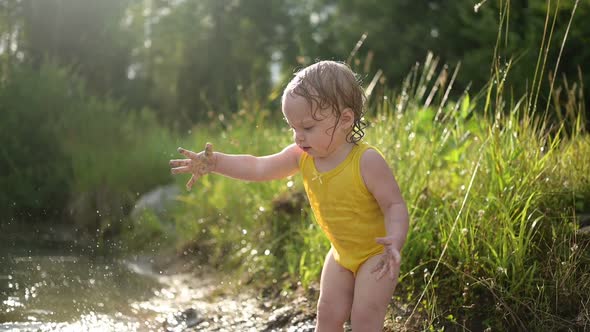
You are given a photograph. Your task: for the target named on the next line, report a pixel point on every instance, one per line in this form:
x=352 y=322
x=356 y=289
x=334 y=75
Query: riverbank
x=210 y=301
x=50 y=282
x=207 y=300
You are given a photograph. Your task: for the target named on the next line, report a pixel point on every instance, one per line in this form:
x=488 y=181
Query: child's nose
x=298 y=136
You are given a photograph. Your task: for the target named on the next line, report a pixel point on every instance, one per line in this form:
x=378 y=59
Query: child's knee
x=368 y=317
x=331 y=312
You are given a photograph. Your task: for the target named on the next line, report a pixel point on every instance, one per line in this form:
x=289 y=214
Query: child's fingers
x=392 y=271
x=380 y=268
x=179 y=162
x=384 y=241
x=191 y=181
x=181 y=169
x=377 y=267
x=382 y=272
x=187 y=153
x=209 y=150
x=395 y=256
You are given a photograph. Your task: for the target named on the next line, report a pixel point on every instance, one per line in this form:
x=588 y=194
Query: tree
x=198 y=55
x=85 y=35
x=400 y=33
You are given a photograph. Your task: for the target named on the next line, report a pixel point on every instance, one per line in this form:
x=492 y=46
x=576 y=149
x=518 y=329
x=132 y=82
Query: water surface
x=48 y=284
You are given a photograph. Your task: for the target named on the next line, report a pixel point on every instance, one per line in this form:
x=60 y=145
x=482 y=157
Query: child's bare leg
x=371 y=297
x=336 y=291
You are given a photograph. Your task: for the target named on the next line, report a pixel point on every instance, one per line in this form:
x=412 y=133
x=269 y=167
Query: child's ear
x=347 y=118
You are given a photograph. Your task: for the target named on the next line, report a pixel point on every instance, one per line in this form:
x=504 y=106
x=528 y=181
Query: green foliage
x=86 y=36
x=400 y=32
x=64 y=150
x=491 y=215
x=184 y=59
x=147 y=233
x=203 y=54
x=34 y=166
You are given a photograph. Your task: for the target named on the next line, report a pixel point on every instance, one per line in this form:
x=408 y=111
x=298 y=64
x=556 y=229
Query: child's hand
x=198 y=164
x=390 y=261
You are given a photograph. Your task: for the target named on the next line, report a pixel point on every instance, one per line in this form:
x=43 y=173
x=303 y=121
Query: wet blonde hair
x=331 y=85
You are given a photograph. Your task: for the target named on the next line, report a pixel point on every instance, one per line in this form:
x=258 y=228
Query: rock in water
x=182 y=320
x=157 y=201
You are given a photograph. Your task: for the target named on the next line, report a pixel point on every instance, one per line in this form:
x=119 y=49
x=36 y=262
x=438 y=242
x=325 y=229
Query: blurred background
x=85 y=82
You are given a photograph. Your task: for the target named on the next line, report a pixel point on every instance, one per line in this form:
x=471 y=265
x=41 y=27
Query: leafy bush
x=66 y=151
x=36 y=171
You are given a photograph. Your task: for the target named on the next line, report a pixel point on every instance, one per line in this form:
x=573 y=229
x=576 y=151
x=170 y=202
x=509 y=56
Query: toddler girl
x=352 y=191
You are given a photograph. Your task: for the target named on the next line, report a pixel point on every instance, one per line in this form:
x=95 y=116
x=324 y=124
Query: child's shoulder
x=295 y=152
x=369 y=150
x=371 y=158
x=375 y=171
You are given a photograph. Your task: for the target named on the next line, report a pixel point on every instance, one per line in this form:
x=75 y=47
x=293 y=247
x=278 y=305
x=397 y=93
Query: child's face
x=320 y=136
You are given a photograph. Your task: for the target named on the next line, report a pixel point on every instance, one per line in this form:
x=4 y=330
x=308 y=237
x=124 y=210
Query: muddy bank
x=199 y=299
x=207 y=301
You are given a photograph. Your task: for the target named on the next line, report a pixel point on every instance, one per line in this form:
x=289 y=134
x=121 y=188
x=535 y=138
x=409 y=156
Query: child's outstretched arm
x=381 y=183
x=243 y=167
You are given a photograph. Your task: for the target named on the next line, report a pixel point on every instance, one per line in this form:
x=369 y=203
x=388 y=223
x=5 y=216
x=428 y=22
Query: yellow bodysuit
x=346 y=211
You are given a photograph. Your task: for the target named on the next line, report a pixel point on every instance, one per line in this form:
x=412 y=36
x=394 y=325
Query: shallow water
x=63 y=289
x=58 y=286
